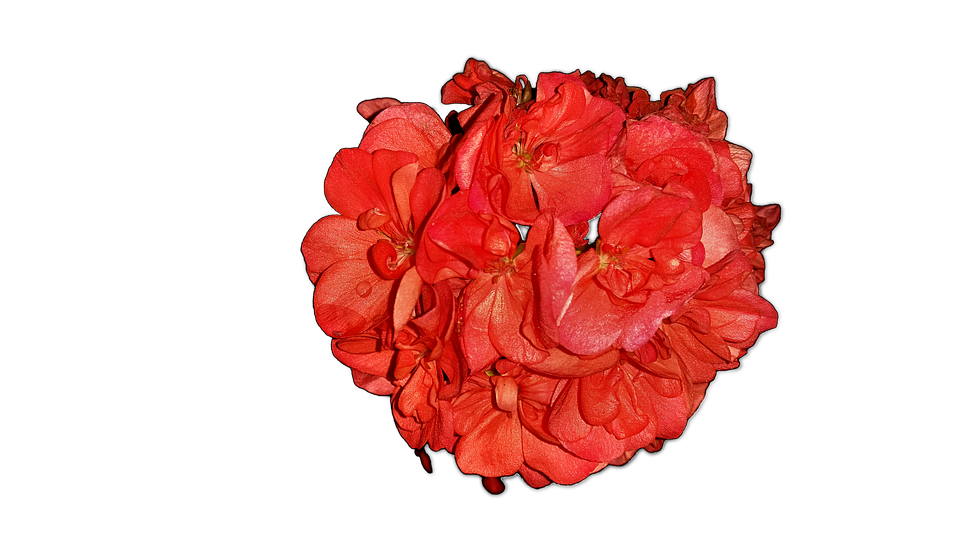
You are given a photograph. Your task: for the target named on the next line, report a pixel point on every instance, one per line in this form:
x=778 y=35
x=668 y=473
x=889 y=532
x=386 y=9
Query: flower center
x=391 y=257
x=524 y=158
x=610 y=255
x=404 y=249
x=500 y=267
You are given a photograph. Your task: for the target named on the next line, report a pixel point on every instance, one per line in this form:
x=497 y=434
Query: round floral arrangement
x=461 y=277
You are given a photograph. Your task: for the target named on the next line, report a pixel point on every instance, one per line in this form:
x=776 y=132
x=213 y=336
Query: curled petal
x=369 y=108
x=505 y=393
x=560 y=363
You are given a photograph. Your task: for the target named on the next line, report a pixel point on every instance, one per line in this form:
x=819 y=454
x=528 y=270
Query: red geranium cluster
x=458 y=278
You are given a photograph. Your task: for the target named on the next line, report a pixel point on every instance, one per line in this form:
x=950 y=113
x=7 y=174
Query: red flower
x=717 y=326
x=463 y=87
x=549 y=155
x=626 y=407
x=533 y=350
x=355 y=257
x=383 y=191
x=659 y=152
x=646 y=265
x=500 y=418
x=696 y=107
x=484 y=248
x=408 y=127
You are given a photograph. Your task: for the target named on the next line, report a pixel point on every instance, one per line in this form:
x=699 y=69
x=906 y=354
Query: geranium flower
x=428 y=373
x=603 y=416
x=696 y=107
x=549 y=154
x=646 y=265
x=483 y=248
x=658 y=152
x=717 y=326
x=354 y=258
x=500 y=417
x=458 y=278
x=462 y=88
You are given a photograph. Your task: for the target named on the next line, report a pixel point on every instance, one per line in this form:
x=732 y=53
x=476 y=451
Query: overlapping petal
x=460 y=277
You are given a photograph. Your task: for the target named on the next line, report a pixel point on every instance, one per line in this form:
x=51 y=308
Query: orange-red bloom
x=501 y=420
x=551 y=153
x=460 y=279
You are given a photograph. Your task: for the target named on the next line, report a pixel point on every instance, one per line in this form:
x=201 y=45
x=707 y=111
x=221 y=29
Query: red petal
x=369 y=108
x=386 y=164
x=364 y=353
x=350 y=185
x=559 y=465
x=599 y=403
x=426 y=193
x=642 y=216
x=493 y=448
x=332 y=239
x=719 y=235
x=565 y=422
x=349 y=298
x=505 y=393
x=408 y=292
x=559 y=363
x=591 y=323
x=373 y=384
x=399 y=134
x=578 y=189
x=554 y=270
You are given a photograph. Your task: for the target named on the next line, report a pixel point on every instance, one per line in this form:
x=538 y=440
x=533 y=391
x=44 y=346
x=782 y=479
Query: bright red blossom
x=550 y=153
x=459 y=279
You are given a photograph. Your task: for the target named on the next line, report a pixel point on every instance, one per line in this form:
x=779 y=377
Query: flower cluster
x=459 y=279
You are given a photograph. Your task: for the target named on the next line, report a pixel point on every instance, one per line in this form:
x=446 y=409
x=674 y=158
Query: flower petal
x=493 y=448
x=349 y=298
